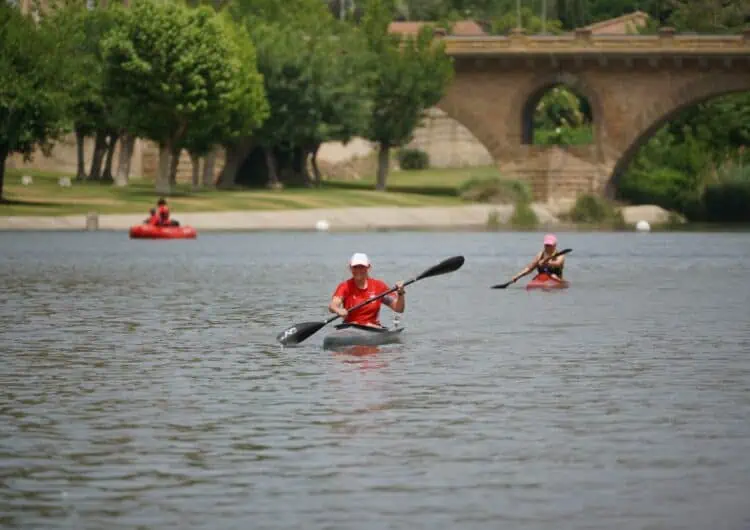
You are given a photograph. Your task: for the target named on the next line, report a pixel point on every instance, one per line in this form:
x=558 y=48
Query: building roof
x=620 y=25
x=462 y=27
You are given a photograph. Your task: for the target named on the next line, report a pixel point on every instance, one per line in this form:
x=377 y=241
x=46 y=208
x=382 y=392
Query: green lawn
x=436 y=187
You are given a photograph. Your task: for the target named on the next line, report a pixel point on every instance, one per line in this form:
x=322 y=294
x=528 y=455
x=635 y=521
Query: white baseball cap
x=359 y=258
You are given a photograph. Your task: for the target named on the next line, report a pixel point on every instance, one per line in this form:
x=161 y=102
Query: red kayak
x=162 y=232
x=545 y=282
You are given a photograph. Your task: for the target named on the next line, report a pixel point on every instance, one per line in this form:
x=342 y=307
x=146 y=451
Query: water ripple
x=141 y=387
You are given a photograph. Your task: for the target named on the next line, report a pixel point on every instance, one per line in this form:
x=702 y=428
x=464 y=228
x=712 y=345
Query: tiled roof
x=462 y=27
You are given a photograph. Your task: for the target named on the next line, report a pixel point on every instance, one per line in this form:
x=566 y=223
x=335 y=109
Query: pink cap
x=550 y=239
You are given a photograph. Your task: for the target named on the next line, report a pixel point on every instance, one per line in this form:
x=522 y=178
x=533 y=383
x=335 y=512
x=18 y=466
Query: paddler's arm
x=337 y=306
x=530 y=267
x=397 y=303
x=559 y=261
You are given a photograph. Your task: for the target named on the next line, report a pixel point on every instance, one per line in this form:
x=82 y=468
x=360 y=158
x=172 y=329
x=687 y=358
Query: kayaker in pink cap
x=542 y=262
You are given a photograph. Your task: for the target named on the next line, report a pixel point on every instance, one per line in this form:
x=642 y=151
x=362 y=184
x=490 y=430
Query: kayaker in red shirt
x=553 y=267
x=361 y=287
x=163 y=214
x=153 y=218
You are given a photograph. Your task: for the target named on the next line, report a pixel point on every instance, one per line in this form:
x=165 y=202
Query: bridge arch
x=663 y=110
x=527 y=100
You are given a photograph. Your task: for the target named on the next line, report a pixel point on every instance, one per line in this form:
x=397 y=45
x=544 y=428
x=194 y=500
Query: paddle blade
x=444 y=267
x=298 y=333
x=501 y=285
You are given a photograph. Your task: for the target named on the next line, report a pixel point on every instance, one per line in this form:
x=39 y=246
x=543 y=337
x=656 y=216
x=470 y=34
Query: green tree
x=342 y=90
x=246 y=108
x=177 y=69
x=33 y=81
x=530 y=22
x=316 y=74
x=412 y=75
x=93 y=112
x=709 y=16
x=289 y=13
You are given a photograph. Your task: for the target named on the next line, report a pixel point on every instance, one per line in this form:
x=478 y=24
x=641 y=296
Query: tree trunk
x=100 y=148
x=235 y=156
x=209 y=163
x=195 y=161
x=127 y=144
x=299 y=165
x=80 y=157
x=107 y=175
x=383 y=164
x=314 y=163
x=273 y=173
x=163 y=185
x=174 y=162
x=3 y=158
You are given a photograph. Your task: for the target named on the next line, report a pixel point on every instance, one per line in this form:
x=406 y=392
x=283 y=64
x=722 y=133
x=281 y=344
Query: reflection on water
x=141 y=386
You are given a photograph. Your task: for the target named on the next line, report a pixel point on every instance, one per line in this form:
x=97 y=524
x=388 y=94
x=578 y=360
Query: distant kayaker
x=361 y=287
x=153 y=218
x=542 y=263
x=163 y=214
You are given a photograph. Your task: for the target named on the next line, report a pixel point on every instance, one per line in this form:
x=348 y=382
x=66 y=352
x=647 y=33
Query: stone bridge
x=634 y=84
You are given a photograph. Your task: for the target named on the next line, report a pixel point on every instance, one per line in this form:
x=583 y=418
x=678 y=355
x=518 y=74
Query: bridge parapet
x=583 y=42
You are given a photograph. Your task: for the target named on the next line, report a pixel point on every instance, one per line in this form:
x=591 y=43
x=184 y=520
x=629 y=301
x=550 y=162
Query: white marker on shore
x=642 y=226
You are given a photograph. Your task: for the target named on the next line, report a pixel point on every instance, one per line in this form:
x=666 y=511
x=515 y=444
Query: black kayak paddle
x=300 y=332
x=553 y=256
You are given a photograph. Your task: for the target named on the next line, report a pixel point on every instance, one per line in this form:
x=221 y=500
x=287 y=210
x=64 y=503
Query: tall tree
x=316 y=75
x=33 y=81
x=411 y=76
x=176 y=68
x=94 y=113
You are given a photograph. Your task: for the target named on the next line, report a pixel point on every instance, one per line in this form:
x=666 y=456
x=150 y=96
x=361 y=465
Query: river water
x=141 y=387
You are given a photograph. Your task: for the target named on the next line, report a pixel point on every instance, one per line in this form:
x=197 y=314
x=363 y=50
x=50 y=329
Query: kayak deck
x=545 y=282
x=356 y=335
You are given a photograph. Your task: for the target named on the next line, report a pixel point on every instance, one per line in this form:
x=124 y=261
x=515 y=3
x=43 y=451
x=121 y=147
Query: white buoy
x=26 y=180
x=322 y=226
x=642 y=226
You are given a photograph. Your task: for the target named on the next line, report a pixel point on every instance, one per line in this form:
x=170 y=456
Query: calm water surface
x=140 y=385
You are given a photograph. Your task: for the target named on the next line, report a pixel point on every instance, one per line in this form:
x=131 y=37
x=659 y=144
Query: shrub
x=411 y=159
x=734 y=173
x=728 y=202
x=593 y=209
x=495 y=190
x=493 y=220
x=666 y=187
x=524 y=216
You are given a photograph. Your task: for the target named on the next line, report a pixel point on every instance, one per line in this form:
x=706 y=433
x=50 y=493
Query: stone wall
x=448 y=143
x=144 y=164
x=63 y=158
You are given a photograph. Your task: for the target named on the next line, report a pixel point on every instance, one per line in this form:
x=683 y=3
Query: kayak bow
x=545 y=282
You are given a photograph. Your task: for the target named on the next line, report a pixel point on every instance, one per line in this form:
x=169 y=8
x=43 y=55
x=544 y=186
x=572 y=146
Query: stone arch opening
x=657 y=118
x=557 y=114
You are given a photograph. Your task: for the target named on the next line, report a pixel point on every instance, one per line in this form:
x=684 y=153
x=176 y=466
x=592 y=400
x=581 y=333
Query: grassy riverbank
x=433 y=187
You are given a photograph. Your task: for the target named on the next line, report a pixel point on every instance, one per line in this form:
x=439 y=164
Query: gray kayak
x=354 y=335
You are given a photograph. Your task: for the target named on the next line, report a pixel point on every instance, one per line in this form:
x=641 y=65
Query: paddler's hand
x=342 y=312
x=400 y=288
